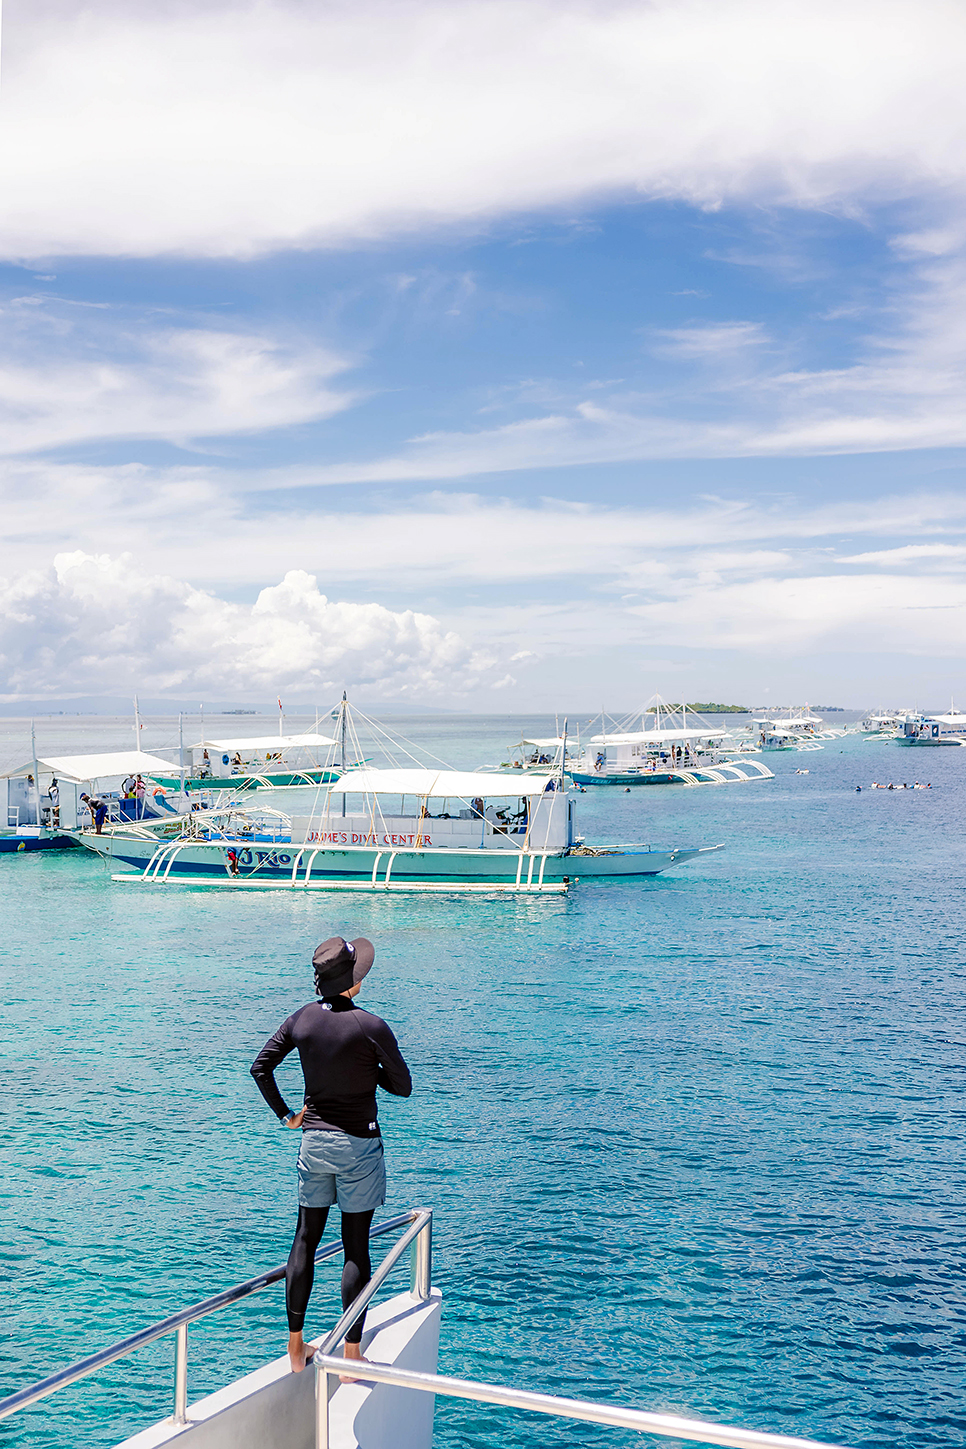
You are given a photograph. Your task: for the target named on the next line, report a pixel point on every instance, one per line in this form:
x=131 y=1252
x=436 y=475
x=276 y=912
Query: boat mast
x=279 y=718
x=181 y=755
x=33 y=752
x=344 y=707
x=137 y=724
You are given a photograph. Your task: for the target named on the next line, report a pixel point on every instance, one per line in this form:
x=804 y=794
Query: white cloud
x=67 y=378
x=942 y=554
x=439 y=541
x=232 y=129
x=793 y=615
x=102 y=624
x=722 y=339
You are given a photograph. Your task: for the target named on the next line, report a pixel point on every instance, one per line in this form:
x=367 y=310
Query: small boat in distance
x=540 y=754
x=792 y=729
x=672 y=746
x=885 y=721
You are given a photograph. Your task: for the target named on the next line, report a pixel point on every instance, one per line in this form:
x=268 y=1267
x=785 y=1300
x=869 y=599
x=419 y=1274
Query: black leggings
x=300 y=1270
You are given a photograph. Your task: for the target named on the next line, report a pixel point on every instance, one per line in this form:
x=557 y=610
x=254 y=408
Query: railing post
x=181 y=1375
x=421 y=1278
x=321 y=1408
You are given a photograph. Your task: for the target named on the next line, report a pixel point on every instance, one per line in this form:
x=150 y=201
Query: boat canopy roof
x=952 y=719
x=441 y=784
x=95 y=767
x=789 y=721
x=553 y=744
x=267 y=742
x=657 y=736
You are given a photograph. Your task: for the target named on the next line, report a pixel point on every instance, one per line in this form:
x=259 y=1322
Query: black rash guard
x=345 y=1053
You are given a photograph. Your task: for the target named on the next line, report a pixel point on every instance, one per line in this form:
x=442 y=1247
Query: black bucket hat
x=340 y=964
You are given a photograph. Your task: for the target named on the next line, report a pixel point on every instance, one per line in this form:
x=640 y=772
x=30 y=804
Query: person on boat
x=53 y=795
x=127 y=788
x=205 y=765
x=346 y=1053
x=98 y=811
x=477 y=805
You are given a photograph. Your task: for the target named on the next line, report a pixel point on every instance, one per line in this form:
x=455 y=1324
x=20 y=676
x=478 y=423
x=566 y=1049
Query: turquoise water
x=693 y=1143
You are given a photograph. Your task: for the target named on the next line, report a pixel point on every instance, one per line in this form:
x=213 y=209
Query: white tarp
x=98 y=767
x=657 y=737
x=546 y=744
x=440 y=784
x=266 y=742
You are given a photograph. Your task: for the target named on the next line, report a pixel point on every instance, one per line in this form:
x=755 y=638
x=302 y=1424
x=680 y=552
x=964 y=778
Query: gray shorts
x=334 y=1167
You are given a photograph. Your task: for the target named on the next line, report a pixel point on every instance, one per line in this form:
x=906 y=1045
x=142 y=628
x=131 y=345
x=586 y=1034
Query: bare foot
x=300 y=1353
x=352 y=1351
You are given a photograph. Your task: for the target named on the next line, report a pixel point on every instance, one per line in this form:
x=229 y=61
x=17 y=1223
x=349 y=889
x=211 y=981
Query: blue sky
x=501 y=356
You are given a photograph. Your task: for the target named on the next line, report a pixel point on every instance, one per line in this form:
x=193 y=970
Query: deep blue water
x=694 y=1143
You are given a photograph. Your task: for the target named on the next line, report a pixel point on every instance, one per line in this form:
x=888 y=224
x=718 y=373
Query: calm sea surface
x=694 y=1143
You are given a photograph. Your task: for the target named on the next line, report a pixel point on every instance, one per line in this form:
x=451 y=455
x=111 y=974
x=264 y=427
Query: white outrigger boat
x=44 y=808
x=450 y=830
x=793 y=729
x=673 y=746
x=933 y=729
x=262 y=762
x=888 y=722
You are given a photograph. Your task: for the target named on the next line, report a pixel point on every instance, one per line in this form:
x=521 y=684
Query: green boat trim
x=270 y=780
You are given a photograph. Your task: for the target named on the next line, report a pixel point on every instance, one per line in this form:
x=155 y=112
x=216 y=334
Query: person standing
x=98 y=810
x=345 y=1053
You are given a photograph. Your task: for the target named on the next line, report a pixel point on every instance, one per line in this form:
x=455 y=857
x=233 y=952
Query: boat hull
x=235 y=863
x=926 y=743
x=20 y=841
x=629 y=777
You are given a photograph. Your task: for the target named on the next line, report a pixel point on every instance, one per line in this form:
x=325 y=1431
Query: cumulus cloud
x=231 y=129
x=97 y=622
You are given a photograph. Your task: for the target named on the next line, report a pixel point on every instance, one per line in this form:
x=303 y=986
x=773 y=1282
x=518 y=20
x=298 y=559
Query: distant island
x=708 y=708
x=720 y=708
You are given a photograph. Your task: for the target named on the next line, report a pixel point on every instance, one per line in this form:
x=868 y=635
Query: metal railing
x=418 y=1238
x=418 y=1235
x=644 y=1421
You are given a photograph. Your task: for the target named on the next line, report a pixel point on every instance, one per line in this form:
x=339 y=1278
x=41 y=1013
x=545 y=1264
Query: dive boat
x=934 y=729
x=793 y=729
x=539 y=753
x=43 y=797
x=387 y=829
x=273 y=762
x=885 y=721
x=673 y=746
